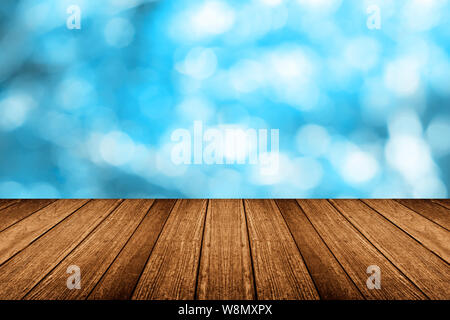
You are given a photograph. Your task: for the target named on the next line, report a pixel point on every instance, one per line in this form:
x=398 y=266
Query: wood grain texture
x=5 y=203
x=431 y=235
x=224 y=249
x=171 y=271
x=20 y=235
x=225 y=264
x=121 y=278
x=443 y=202
x=425 y=269
x=94 y=255
x=279 y=269
x=430 y=210
x=356 y=253
x=20 y=210
x=26 y=269
x=330 y=278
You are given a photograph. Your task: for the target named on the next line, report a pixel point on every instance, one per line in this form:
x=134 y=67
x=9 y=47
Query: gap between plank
x=250 y=249
x=82 y=241
x=437 y=201
x=9 y=205
x=440 y=205
x=401 y=272
x=329 y=249
x=420 y=213
x=298 y=248
x=41 y=235
x=409 y=235
x=151 y=251
x=29 y=214
x=201 y=249
x=120 y=251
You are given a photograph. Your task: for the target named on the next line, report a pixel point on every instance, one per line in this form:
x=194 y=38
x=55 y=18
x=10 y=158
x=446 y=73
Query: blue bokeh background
x=90 y=112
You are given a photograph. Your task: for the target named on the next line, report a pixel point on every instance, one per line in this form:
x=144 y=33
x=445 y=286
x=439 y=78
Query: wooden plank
x=20 y=210
x=330 y=278
x=5 y=203
x=443 y=202
x=225 y=263
x=431 y=235
x=422 y=267
x=355 y=253
x=430 y=210
x=280 y=272
x=26 y=269
x=94 y=255
x=20 y=235
x=171 y=271
x=121 y=278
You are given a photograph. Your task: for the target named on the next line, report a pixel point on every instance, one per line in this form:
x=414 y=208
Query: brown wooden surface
x=445 y=203
x=120 y=280
x=426 y=270
x=20 y=235
x=356 y=253
x=26 y=269
x=224 y=249
x=225 y=266
x=430 y=210
x=5 y=203
x=19 y=210
x=171 y=271
x=95 y=254
x=431 y=235
x=331 y=280
x=280 y=272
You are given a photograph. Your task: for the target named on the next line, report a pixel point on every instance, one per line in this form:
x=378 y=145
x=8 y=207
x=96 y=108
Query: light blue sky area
x=360 y=111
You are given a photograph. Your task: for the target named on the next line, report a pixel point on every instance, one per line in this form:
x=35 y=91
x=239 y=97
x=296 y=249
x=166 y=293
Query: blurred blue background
x=89 y=113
